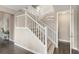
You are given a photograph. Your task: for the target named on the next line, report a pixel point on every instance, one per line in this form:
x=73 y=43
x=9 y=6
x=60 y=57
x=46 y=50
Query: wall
x=64 y=26
x=26 y=39
x=78 y=27
x=74 y=27
x=1 y=14
x=11 y=27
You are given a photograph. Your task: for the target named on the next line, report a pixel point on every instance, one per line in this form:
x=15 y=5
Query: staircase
x=40 y=29
x=50 y=47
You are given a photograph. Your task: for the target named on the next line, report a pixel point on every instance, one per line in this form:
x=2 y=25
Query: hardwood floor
x=64 y=48
x=8 y=47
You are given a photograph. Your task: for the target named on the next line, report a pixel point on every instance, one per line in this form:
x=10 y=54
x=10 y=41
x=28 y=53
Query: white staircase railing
x=51 y=32
x=37 y=29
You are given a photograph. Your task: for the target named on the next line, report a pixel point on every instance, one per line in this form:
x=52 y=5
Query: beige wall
x=74 y=17
x=78 y=27
x=1 y=14
x=11 y=27
x=20 y=22
x=64 y=26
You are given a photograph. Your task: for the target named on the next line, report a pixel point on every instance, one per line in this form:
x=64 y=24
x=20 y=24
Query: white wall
x=27 y=40
x=74 y=27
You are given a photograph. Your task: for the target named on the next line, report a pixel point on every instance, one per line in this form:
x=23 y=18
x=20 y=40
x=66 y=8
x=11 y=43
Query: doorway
x=4 y=26
x=63 y=32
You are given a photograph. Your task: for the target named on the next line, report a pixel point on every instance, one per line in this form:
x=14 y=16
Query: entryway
x=63 y=33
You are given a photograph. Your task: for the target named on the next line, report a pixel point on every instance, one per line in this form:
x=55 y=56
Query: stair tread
x=50 y=47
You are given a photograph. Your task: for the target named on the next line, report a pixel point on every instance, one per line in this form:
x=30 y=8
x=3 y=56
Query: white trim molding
x=26 y=48
x=62 y=40
x=76 y=49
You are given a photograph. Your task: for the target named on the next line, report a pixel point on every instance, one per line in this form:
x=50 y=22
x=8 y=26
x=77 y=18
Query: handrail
x=45 y=24
x=47 y=27
x=39 y=30
x=35 y=21
x=53 y=33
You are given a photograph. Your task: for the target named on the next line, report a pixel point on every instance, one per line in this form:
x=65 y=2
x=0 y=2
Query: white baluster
x=46 y=36
x=46 y=39
x=40 y=33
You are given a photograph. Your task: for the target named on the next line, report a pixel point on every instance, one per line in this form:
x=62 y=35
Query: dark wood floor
x=63 y=48
x=8 y=47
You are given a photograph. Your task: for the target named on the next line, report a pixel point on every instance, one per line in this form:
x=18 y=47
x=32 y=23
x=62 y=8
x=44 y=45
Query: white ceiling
x=16 y=7
x=56 y=7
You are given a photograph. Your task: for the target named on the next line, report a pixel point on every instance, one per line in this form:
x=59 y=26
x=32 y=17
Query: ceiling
x=16 y=7
x=56 y=7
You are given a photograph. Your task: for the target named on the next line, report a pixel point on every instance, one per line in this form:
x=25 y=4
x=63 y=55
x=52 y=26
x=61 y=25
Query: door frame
x=69 y=25
x=61 y=12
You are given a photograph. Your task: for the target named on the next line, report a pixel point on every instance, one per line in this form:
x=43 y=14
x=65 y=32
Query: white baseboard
x=11 y=40
x=23 y=47
x=76 y=49
x=64 y=40
x=26 y=48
